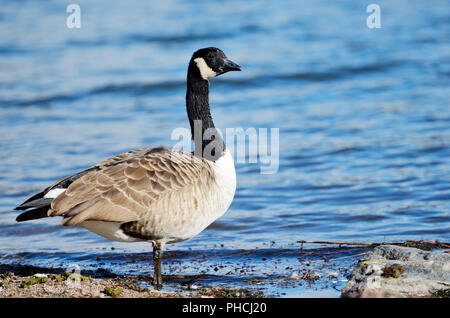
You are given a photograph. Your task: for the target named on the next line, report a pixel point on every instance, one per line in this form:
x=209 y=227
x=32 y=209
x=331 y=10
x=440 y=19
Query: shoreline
x=23 y=281
x=318 y=271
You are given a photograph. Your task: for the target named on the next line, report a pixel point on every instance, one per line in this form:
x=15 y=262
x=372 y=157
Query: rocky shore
x=382 y=271
x=34 y=282
x=397 y=271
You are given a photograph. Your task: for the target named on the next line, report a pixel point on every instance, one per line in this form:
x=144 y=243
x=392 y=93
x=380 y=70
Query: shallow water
x=363 y=118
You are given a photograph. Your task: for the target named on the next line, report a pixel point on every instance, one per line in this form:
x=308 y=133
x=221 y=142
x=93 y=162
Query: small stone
x=40 y=275
x=393 y=271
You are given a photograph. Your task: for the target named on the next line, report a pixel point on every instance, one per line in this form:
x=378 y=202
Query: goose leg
x=157 y=256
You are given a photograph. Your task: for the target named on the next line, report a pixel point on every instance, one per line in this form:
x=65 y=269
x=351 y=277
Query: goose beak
x=230 y=66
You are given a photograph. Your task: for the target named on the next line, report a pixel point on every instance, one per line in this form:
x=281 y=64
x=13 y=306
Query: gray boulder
x=396 y=271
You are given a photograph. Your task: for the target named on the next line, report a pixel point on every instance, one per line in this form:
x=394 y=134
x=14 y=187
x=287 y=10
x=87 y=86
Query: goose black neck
x=207 y=141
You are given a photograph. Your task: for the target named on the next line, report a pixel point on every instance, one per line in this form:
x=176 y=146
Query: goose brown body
x=153 y=194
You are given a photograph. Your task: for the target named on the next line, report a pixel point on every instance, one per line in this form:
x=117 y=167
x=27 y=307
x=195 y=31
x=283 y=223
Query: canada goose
x=152 y=194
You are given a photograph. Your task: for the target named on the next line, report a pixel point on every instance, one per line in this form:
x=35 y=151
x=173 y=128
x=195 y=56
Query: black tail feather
x=38 y=203
x=34 y=197
x=34 y=214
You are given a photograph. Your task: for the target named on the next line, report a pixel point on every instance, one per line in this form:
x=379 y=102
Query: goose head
x=212 y=62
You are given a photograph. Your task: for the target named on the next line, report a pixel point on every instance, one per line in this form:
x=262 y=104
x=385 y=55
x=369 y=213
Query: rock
x=396 y=271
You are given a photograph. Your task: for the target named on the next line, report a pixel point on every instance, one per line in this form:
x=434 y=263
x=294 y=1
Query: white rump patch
x=54 y=193
x=205 y=71
x=109 y=230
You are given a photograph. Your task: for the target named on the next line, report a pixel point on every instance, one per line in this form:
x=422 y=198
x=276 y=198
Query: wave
x=137 y=89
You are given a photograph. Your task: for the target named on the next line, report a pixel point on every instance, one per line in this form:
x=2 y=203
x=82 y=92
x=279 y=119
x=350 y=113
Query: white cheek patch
x=205 y=71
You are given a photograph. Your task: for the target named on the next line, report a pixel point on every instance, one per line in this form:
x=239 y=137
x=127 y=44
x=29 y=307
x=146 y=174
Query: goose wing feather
x=124 y=188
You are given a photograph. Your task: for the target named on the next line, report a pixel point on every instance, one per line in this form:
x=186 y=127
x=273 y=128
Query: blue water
x=363 y=117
